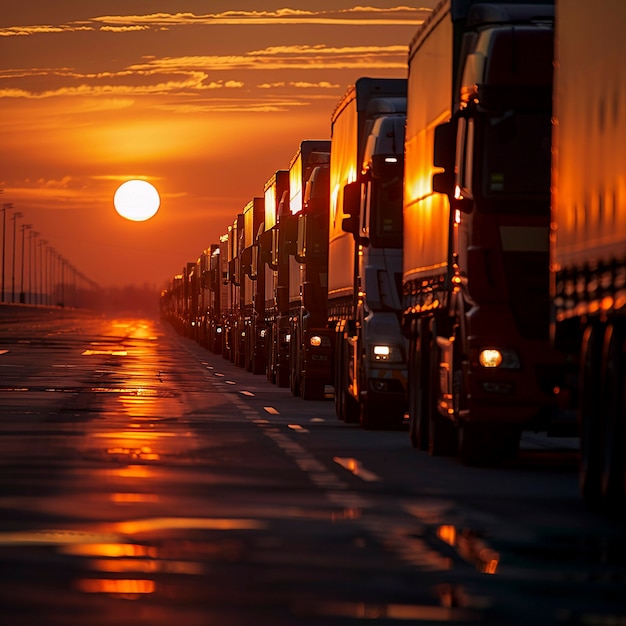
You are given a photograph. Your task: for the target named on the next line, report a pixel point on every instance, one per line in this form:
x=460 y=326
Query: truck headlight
x=316 y=341
x=499 y=357
x=386 y=353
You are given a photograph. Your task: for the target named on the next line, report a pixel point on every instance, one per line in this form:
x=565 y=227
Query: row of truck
x=456 y=251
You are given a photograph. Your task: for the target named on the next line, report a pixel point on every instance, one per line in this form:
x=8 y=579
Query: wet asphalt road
x=146 y=481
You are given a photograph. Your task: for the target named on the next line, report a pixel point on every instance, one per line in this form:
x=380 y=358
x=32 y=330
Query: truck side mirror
x=265 y=247
x=289 y=226
x=300 y=254
x=351 y=208
x=246 y=262
x=233 y=272
x=282 y=299
x=444 y=156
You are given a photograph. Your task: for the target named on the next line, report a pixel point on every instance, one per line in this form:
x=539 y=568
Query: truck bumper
x=387 y=387
x=526 y=397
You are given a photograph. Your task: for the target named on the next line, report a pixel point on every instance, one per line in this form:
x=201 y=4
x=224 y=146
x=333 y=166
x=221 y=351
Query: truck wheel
x=614 y=379
x=418 y=394
x=413 y=393
x=591 y=428
x=350 y=408
x=346 y=407
x=369 y=417
x=294 y=383
x=473 y=445
x=442 y=440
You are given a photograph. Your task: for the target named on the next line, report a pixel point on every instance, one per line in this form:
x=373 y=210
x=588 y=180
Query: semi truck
x=216 y=300
x=476 y=303
x=202 y=267
x=588 y=239
x=276 y=269
x=234 y=330
x=365 y=253
x=253 y=312
x=310 y=340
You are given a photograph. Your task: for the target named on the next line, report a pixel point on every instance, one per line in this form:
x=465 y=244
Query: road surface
x=146 y=481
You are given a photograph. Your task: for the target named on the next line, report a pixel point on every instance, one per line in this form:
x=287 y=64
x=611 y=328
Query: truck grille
x=528 y=281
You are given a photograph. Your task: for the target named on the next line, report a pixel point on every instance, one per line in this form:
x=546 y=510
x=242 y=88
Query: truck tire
x=369 y=417
x=350 y=412
x=419 y=388
x=591 y=427
x=346 y=407
x=614 y=448
x=294 y=382
x=413 y=393
x=442 y=432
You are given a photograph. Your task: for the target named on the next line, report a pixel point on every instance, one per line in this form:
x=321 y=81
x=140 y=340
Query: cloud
x=300 y=85
x=250 y=105
x=287 y=57
x=24 y=31
x=321 y=85
x=124 y=29
x=325 y=50
x=187 y=75
x=358 y=15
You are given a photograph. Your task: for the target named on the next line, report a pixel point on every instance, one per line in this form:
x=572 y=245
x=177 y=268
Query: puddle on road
x=471 y=547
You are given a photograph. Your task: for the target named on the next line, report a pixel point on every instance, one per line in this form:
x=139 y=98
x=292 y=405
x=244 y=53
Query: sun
x=136 y=200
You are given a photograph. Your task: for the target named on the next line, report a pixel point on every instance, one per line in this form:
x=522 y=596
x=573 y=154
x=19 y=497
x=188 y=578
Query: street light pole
x=5 y=207
x=16 y=215
x=49 y=275
x=42 y=243
x=25 y=227
x=32 y=267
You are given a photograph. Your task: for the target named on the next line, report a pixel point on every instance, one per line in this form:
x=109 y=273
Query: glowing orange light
x=124 y=587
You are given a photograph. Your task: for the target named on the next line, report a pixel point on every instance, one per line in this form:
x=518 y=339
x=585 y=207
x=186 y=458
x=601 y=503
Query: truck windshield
x=516 y=159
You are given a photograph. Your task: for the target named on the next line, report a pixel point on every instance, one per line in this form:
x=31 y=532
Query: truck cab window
x=386 y=212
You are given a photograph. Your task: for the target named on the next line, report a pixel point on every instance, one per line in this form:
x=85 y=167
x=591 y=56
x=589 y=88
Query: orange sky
x=204 y=105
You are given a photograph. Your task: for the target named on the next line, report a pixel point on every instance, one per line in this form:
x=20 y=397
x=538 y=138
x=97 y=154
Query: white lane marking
x=231 y=382
x=218 y=374
x=298 y=428
x=271 y=410
x=354 y=466
x=4 y=351
x=247 y=393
